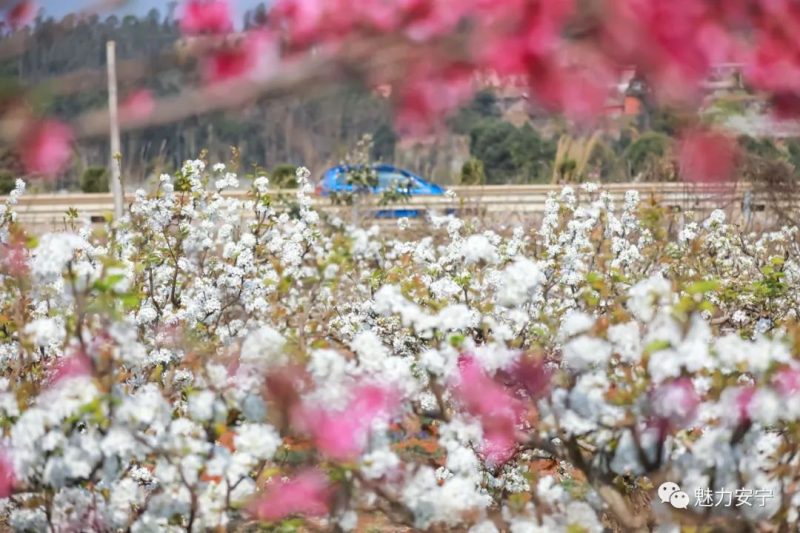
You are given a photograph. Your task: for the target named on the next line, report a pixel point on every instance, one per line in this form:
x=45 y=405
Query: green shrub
x=760 y=147
x=11 y=168
x=384 y=143
x=484 y=105
x=94 y=179
x=605 y=164
x=793 y=149
x=643 y=153
x=7 y=181
x=511 y=154
x=472 y=172
x=668 y=121
x=284 y=176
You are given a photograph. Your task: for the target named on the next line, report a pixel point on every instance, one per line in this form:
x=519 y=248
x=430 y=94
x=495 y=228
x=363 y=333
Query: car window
x=341 y=178
x=388 y=179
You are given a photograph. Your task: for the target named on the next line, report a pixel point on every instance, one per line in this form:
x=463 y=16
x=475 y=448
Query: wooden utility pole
x=113 y=113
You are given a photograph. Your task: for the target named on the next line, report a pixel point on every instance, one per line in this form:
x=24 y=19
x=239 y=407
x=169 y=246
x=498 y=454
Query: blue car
x=335 y=181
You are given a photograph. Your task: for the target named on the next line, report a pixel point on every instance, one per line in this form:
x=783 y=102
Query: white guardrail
x=50 y=209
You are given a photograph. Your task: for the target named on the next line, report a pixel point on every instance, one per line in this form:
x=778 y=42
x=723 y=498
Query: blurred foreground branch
x=290 y=77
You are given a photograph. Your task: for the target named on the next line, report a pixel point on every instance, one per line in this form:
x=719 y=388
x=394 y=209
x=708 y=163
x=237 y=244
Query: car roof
x=389 y=168
x=380 y=167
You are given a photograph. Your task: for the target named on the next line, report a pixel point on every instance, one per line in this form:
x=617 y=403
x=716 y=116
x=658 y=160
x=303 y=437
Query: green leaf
x=456 y=340
x=575 y=528
x=656 y=346
x=130 y=301
x=701 y=287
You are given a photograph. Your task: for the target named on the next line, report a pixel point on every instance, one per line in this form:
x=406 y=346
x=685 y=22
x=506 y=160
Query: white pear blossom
x=210 y=354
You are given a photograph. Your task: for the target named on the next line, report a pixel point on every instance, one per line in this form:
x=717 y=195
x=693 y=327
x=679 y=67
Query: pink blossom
x=570 y=81
x=785 y=105
x=706 y=156
x=787 y=381
x=737 y=402
x=498 y=411
x=372 y=401
x=342 y=434
x=544 y=22
x=531 y=374
x=73 y=366
x=481 y=396
x=8 y=477
x=255 y=52
x=138 y=106
x=21 y=14
x=585 y=95
x=774 y=66
x=307 y=494
x=15 y=259
x=526 y=50
x=427 y=19
x=673 y=43
x=430 y=93
x=284 y=386
x=506 y=55
x=744 y=401
x=380 y=16
x=337 y=435
x=206 y=16
x=303 y=18
x=499 y=442
x=46 y=147
x=581 y=94
x=676 y=402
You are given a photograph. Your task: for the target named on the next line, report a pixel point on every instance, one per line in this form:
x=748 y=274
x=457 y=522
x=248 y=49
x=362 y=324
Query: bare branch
x=215 y=97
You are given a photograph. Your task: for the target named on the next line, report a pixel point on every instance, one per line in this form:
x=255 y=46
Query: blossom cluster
x=211 y=363
x=566 y=56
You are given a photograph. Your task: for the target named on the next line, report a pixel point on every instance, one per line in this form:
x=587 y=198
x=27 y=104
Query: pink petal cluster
x=430 y=93
x=774 y=63
x=531 y=374
x=21 y=13
x=737 y=404
x=428 y=19
x=73 y=366
x=305 y=20
x=673 y=43
x=744 y=402
x=566 y=54
x=46 y=147
x=343 y=434
x=15 y=258
x=675 y=403
x=493 y=404
x=706 y=156
x=511 y=38
x=206 y=16
x=787 y=381
x=8 y=477
x=306 y=494
x=255 y=52
x=534 y=52
x=138 y=106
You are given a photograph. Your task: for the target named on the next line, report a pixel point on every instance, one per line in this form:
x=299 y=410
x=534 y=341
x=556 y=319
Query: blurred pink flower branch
x=430 y=51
